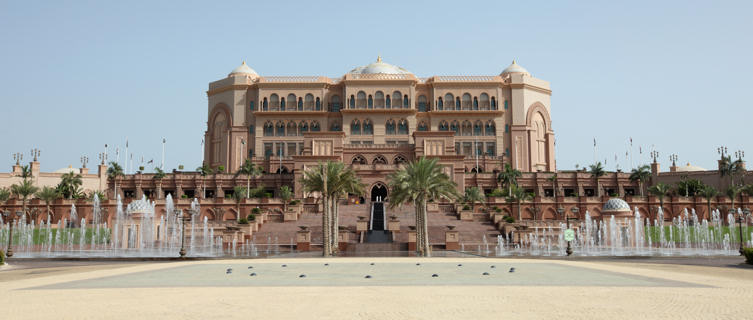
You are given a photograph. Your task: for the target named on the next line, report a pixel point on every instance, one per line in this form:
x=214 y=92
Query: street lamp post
x=740 y=227
x=184 y=218
x=9 y=216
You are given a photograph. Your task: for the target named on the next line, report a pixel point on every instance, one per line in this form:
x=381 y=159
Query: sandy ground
x=97 y=292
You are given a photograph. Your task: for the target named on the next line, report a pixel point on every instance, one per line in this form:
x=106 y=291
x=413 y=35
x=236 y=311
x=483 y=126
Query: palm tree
x=204 y=170
x=509 y=177
x=26 y=172
x=4 y=195
x=333 y=180
x=709 y=193
x=730 y=168
x=113 y=172
x=159 y=174
x=732 y=193
x=641 y=174
x=69 y=185
x=250 y=170
x=285 y=194
x=553 y=180
x=48 y=195
x=660 y=190
x=239 y=193
x=418 y=182
x=473 y=195
x=519 y=195
x=24 y=190
x=597 y=171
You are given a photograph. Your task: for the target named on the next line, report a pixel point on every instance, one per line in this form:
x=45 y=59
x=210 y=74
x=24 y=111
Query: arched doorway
x=378 y=192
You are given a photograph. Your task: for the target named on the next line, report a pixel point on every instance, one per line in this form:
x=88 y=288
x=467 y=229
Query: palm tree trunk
x=640 y=185
x=520 y=217
x=425 y=226
x=248 y=186
x=325 y=227
x=48 y=211
x=708 y=213
x=335 y=237
x=419 y=231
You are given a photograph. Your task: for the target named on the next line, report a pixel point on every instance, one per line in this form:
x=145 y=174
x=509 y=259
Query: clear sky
x=75 y=76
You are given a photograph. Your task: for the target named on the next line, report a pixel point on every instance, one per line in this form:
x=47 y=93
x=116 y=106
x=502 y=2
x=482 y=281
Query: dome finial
x=513 y=61
x=244 y=62
x=379 y=58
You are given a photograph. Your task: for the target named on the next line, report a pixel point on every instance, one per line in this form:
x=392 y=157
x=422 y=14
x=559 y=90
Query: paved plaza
x=376 y=288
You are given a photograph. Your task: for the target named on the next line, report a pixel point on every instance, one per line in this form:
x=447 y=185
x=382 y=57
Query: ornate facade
x=377 y=116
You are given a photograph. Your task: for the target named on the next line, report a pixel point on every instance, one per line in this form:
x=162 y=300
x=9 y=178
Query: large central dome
x=379 y=67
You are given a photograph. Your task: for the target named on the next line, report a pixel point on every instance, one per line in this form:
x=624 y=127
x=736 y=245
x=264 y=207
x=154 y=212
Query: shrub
x=181 y=167
x=497 y=210
x=748 y=253
x=268 y=195
x=2 y=257
x=243 y=221
x=251 y=217
x=509 y=219
x=496 y=193
x=185 y=196
x=294 y=202
x=221 y=169
x=466 y=207
x=255 y=211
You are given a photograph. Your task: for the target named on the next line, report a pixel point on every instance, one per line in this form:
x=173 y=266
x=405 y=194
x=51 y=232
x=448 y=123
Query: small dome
x=689 y=168
x=68 y=170
x=379 y=67
x=616 y=205
x=515 y=68
x=243 y=69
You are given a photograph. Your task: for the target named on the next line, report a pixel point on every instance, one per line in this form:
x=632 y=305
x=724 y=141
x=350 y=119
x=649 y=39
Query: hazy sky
x=77 y=75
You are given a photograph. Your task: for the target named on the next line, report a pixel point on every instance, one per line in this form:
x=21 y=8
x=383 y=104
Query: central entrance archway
x=378 y=192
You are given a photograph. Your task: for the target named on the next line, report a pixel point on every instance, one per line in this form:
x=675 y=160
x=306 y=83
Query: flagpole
x=126 y=157
x=162 y=166
x=595 y=151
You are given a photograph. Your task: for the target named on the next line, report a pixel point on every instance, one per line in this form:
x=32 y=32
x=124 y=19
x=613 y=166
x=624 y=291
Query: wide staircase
x=471 y=233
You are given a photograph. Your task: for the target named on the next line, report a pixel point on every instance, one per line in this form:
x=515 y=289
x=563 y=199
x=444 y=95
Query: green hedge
x=2 y=257
x=748 y=253
x=243 y=221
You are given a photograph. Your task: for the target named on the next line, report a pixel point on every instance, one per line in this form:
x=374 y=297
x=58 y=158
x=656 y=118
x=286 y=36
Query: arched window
x=399 y=159
x=397 y=101
x=443 y=126
x=352 y=102
x=440 y=105
x=475 y=103
x=282 y=104
x=449 y=99
x=379 y=99
x=484 y=101
x=265 y=105
x=406 y=103
x=292 y=129
x=303 y=127
x=422 y=107
x=379 y=159
x=466 y=101
x=494 y=103
x=389 y=127
x=309 y=102
x=490 y=128
x=368 y=127
x=359 y=159
x=478 y=128
x=335 y=126
x=355 y=127
x=455 y=126
x=318 y=104
x=335 y=103
x=274 y=102
x=361 y=100
x=280 y=129
x=315 y=127
x=269 y=129
x=371 y=102
x=388 y=102
x=422 y=126
x=292 y=102
x=402 y=127
x=467 y=128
